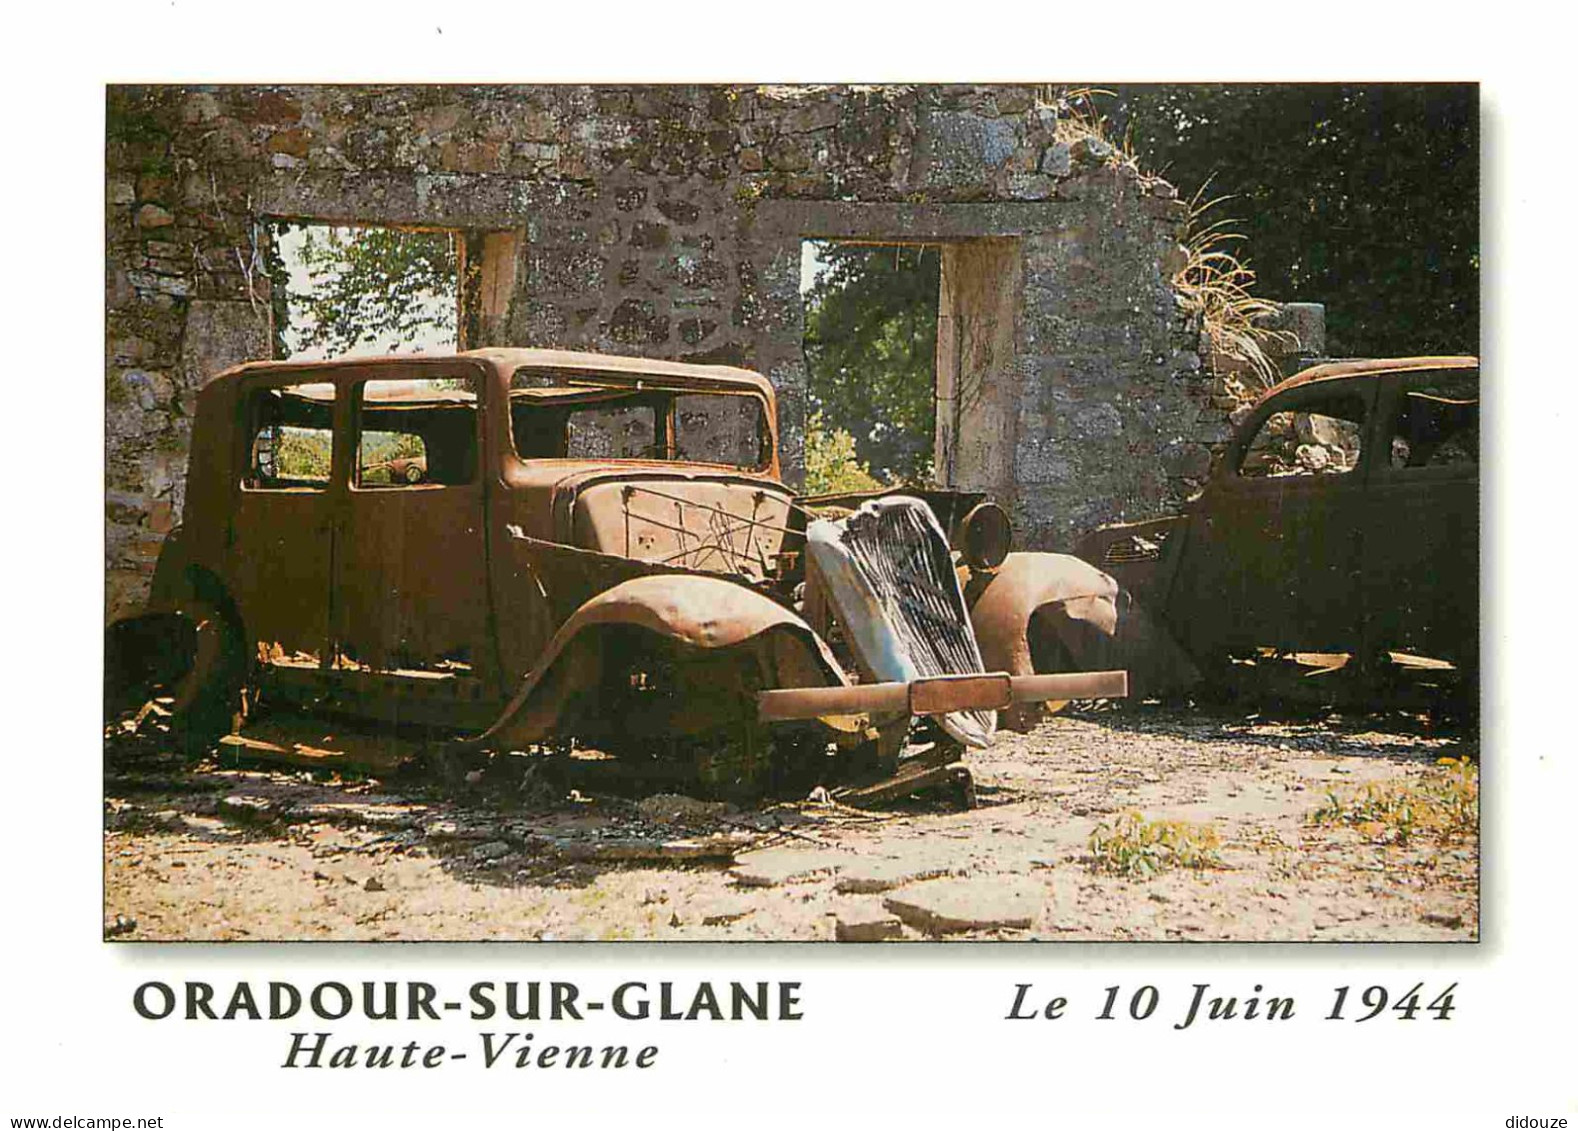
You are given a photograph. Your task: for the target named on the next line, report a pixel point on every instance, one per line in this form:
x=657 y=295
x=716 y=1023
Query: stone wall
x=665 y=221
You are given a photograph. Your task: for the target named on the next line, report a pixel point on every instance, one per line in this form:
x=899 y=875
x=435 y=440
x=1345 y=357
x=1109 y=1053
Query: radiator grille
x=893 y=587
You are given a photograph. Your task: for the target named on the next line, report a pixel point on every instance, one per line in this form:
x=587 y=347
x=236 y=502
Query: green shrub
x=1134 y=847
x=830 y=463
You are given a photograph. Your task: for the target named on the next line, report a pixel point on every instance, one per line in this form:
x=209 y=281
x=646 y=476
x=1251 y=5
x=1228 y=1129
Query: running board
x=310 y=744
x=407 y=697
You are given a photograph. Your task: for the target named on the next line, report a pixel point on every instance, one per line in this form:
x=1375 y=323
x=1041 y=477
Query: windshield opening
x=573 y=415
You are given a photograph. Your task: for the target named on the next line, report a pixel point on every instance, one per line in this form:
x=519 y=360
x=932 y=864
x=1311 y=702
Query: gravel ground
x=222 y=853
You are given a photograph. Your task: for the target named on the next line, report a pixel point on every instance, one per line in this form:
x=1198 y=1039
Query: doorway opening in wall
x=871 y=360
x=341 y=289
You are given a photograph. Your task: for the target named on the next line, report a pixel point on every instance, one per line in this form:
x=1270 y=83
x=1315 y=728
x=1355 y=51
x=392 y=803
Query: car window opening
x=291 y=438
x=1437 y=425
x=416 y=433
x=1321 y=439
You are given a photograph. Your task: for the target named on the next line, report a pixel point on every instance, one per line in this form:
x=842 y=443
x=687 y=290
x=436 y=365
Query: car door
x=410 y=586
x=280 y=536
x=1422 y=536
x=1274 y=550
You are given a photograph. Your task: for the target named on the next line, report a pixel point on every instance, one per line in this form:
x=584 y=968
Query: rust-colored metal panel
x=411 y=568
x=1342 y=518
x=280 y=529
x=411 y=579
x=1424 y=573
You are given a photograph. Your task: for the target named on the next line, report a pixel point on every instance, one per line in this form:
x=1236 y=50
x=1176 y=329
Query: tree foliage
x=370 y=289
x=301 y=453
x=1365 y=198
x=871 y=352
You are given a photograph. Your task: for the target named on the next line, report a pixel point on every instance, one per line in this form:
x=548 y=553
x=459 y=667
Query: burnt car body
x=1341 y=521
x=596 y=549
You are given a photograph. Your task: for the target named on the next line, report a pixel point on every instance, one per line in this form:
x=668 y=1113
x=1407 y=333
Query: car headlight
x=985 y=536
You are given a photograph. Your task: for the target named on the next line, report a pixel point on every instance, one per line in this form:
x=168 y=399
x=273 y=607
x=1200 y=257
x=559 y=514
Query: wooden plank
x=912 y=777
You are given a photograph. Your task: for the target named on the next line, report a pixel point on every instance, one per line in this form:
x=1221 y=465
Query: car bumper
x=937 y=695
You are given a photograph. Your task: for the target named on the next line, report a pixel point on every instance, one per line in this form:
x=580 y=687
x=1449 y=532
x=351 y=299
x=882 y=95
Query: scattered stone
x=492 y=850
x=249 y=810
x=649 y=848
x=1439 y=919
x=985 y=903
x=773 y=866
x=120 y=925
x=373 y=884
x=1090 y=150
x=867 y=925
x=153 y=216
x=877 y=874
x=1056 y=161
x=446 y=829
x=723 y=913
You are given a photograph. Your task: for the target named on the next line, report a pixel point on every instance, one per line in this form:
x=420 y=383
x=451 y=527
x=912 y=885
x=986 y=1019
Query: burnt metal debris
x=1339 y=533
x=593 y=559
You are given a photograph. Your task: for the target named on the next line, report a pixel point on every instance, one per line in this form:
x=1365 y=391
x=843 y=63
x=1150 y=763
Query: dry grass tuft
x=1078 y=119
x=1215 y=285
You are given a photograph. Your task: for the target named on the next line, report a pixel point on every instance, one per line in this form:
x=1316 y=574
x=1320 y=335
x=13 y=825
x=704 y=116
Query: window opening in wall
x=360 y=289
x=871 y=361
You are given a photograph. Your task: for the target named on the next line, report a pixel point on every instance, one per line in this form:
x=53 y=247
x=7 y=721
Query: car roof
x=1361 y=368
x=680 y=374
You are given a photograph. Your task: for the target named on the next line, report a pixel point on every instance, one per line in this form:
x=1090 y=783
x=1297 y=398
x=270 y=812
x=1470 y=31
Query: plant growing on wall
x=1362 y=197
x=1214 y=285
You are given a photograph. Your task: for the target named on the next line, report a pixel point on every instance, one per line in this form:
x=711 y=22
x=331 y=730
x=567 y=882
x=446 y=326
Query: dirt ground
x=229 y=853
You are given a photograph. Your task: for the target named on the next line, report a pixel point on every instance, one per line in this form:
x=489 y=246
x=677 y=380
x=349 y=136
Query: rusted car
x=1340 y=527
x=597 y=553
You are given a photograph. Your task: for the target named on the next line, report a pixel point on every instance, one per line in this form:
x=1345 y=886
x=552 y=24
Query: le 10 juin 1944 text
x=1205 y=1004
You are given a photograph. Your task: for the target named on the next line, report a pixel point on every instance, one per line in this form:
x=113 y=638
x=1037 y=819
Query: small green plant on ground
x=1134 y=847
x=1443 y=805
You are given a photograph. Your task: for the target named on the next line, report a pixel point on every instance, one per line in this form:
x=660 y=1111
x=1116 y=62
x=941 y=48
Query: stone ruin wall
x=667 y=221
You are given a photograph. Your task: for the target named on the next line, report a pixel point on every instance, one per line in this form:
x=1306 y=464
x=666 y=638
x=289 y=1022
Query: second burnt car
x=598 y=553
x=1339 y=529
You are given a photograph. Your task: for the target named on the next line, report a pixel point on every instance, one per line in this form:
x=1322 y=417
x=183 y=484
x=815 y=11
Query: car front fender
x=1071 y=616
x=698 y=615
